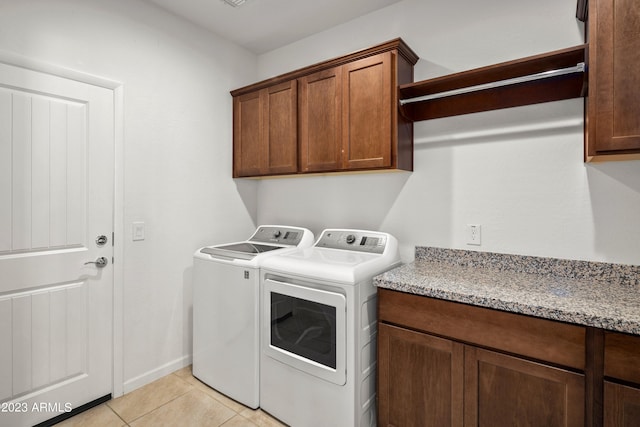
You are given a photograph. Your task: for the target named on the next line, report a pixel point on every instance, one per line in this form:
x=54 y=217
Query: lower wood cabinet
x=420 y=379
x=622 y=385
x=621 y=405
x=502 y=390
x=426 y=380
x=443 y=363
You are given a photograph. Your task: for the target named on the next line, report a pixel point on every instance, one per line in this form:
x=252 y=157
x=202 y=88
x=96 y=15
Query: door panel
x=367 y=135
x=420 y=379
x=621 y=405
x=44 y=192
x=506 y=390
x=282 y=128
x=321 y=121
x=56 y=196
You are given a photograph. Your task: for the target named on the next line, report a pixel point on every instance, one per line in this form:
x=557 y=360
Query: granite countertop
x=587 y=293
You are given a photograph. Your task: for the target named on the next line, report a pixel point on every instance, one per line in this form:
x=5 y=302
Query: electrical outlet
x=473 y=234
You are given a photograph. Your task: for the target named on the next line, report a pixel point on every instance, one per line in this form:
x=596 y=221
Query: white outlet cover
x=474 y=234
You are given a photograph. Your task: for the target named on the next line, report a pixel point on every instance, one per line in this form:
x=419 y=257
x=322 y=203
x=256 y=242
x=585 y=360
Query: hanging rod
x=578 y=68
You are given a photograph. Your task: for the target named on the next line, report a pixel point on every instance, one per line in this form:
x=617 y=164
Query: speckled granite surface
x=587 y=293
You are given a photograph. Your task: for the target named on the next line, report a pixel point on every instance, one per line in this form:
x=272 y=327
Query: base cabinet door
x=621 y=364
x=502 y=390
x=621 y=405
x=420 y=379
x=424 y=380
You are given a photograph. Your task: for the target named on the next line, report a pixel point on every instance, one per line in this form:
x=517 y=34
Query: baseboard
x=151 y=376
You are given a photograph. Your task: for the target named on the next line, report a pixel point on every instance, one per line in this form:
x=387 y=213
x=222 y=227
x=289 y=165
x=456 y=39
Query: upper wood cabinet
x=320 y=113
x=613 y=109
x=367 y=140
x=264 y=131
x=346 y=117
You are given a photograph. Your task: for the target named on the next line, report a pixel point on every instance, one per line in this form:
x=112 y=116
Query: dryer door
x=306 y=328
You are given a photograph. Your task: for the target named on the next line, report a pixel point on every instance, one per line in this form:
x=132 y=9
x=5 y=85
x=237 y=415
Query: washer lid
x=266 y=241
x=242 y=250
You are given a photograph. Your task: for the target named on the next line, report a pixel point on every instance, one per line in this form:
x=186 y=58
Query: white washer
x=318 y=339
x=226 y=295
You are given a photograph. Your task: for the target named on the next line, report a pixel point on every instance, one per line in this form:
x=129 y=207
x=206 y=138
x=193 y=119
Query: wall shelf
x=467 y=92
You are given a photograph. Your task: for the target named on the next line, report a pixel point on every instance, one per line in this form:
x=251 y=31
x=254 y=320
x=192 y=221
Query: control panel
x=277 y=235
x=353 y=240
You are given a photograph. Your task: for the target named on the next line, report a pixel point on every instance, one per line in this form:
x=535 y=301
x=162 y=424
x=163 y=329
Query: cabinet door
x=621 y=405
x=281 y=128
x=420 y=379
x=368 y=135
x=613 y=109
x=502 y=390
x=265 y=131
x=320 y=113
x=248 y=148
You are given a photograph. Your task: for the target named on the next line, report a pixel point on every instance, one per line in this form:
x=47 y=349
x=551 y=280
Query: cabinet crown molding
x=396 y=44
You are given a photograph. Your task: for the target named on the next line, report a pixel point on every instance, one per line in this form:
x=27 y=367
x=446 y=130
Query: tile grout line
x=191 y=387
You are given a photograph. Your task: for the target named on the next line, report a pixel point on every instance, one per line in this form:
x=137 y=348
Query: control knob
x=276 y=234
x=351 y=238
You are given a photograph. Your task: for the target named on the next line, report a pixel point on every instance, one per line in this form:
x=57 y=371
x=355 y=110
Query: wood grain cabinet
x=265 y=140
x=344 y=118
x=448 y=364
x=613 y=110
x=503 y=390
x=369 y=137
x=622 y=385
x=320 y=112
x=420 y=379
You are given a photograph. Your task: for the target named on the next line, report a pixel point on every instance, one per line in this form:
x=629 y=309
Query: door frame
x=16 y=60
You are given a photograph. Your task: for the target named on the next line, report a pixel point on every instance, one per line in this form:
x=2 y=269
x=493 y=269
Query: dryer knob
x=351 y=238
x=276 y=234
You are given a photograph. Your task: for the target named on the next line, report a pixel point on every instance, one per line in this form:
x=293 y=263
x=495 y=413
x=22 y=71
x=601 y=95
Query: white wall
x=177 y=150
x=517 y=172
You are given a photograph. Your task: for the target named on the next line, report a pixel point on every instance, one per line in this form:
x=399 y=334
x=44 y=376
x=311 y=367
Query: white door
x=56 y=197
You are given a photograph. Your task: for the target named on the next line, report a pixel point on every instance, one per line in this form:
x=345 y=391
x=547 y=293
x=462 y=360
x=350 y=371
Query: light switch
x=138 y=231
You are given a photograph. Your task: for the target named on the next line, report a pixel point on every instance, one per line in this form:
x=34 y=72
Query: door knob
x=100 y=262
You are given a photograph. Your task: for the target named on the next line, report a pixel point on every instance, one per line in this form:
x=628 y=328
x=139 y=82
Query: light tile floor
x=179 y=399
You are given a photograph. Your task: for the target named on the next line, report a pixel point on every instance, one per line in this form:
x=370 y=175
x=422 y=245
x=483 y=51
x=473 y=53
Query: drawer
x=622 y=357
x=542 y=339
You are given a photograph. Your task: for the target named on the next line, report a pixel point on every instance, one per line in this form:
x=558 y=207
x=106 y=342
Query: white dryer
x=226 y=295
x=318 y=358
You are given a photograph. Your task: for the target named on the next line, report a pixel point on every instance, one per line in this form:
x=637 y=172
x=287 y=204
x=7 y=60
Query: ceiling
x=264 y=25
